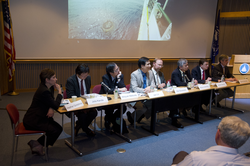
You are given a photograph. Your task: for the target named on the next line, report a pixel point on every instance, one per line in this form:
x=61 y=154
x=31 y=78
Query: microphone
x=105 y=86
x=187 y=78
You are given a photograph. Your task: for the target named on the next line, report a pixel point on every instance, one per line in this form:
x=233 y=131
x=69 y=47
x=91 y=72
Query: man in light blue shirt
x=232 y=133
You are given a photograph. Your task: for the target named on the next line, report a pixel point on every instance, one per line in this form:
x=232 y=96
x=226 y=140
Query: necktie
x=223 y=70
x=203 y=75
x=82 y=89
x=157 y=79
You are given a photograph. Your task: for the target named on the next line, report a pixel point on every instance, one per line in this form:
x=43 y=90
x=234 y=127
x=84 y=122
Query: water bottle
x=192 y=83
x=168 y=84
x=222 y=78
x=116 y=93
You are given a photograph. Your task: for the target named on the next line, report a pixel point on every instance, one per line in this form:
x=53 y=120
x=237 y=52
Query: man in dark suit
x=217 y=72
x=181 y=76
x=159 y=79
x=113 y=78
x=201 y=74
x=78 y=85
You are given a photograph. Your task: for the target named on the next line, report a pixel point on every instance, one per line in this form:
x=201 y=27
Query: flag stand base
x=13 y=93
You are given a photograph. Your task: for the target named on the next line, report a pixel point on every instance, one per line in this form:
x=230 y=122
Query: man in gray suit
x=141 y=80
x=159 y=79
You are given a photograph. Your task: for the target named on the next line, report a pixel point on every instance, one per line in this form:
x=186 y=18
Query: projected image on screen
x=118 y=20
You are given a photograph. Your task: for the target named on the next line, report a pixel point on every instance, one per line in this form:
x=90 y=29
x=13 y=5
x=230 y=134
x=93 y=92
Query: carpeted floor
x=145 y=149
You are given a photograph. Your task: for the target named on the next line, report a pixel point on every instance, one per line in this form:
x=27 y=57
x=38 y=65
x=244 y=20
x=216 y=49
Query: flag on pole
x=9 y=47
x=215 y=44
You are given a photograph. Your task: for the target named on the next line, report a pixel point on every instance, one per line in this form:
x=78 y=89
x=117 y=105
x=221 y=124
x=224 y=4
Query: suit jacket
x=176 y=78
x=42 y=101
x=73 y=87
x=196 y=74
x=217 y=72
x=107 y=79
x=161 y=75
x=136 y=82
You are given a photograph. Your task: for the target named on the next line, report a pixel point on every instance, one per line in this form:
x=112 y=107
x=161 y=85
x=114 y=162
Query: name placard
x=97 y=100
x=243 y=81
x=128 y=95
x=221 y=84
x=180 y=90
x=203 y=86
x=74 y=105
x=155 y=94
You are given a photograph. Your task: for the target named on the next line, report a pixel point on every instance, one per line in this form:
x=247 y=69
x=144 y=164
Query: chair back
x=97 y=88
x=64 y=94
x=128 y=86
x=13 y=113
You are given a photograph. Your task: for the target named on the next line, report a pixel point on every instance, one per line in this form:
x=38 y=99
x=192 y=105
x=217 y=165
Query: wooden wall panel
x=27 y=73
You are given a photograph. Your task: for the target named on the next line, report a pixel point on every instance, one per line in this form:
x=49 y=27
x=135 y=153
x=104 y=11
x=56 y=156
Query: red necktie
x=203 y=76
x=82 y=89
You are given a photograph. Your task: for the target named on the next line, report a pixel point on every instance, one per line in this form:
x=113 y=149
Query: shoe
x=177 y=124
x=139 y=120
x=36 y=147
x=130 y=118
x=202 y=110
x=218 y=105
x=90 y=133
x=77 y=128
x=184 y=112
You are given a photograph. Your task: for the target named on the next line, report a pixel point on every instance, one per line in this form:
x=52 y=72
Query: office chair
x=19 y=130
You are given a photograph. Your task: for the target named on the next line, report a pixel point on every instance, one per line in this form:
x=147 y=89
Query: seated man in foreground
x=231 y=134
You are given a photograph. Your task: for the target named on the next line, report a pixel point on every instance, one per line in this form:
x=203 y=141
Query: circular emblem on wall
x=244 y=68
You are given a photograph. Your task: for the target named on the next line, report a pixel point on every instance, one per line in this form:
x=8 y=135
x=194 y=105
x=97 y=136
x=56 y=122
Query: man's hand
x=119 y=75
x=161 y=85
x=147 y=90
x=123 y=89
x=50 y=113
x=195 y=82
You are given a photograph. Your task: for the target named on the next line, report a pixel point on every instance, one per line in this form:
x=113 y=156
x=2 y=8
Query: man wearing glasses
x=159 y=79
x=113 y=78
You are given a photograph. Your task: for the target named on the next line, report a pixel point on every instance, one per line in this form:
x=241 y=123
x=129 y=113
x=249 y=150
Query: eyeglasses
x=116 y=70
x=159 y=65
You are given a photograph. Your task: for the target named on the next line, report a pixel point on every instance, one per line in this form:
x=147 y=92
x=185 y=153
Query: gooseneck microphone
x=108 y=89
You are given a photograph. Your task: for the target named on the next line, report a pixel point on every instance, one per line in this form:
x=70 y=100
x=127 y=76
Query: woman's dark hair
x=46 y=73
x=82 y=68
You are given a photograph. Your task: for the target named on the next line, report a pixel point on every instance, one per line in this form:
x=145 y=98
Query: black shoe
x=218 y=105
x=202 y=110
x=139 y=120
x=177 y=124
x=90 y=133
x=184 y=112
x=130 y=118
x=77 y=128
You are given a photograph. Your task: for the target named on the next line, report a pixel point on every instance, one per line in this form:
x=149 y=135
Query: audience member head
x=223 y=59
x=112 y=69
x=232 y=132
x=182 y=64
x=203 y=63
x=144 y=64
x=82 y=71
x=157 y=64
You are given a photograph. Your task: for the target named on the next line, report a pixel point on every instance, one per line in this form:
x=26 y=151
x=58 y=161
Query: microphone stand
x=108 y=89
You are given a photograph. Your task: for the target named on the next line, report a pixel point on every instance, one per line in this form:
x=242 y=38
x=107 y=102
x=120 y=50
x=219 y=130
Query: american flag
x=9 y=47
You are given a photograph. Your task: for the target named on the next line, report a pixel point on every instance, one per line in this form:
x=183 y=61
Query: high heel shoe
x=77 y=128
